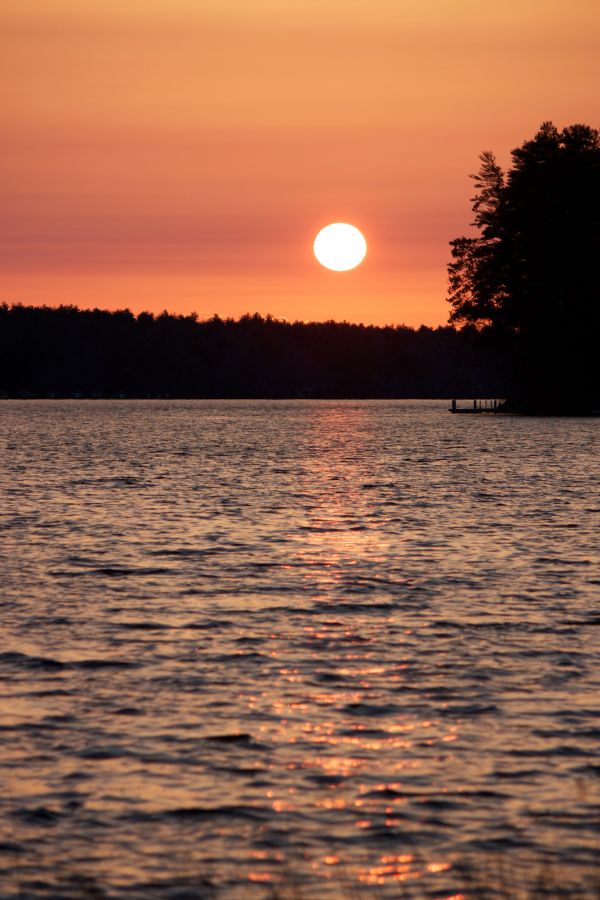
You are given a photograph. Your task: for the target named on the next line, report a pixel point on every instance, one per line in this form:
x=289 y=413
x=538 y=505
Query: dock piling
x=479 y=406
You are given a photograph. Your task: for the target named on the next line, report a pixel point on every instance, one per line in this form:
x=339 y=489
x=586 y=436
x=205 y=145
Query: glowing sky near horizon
x=183 y=154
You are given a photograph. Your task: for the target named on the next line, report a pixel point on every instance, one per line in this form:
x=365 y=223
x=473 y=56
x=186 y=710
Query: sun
x=340 y=247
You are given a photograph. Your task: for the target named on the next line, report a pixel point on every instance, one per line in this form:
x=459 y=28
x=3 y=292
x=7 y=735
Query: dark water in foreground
x=360 y=640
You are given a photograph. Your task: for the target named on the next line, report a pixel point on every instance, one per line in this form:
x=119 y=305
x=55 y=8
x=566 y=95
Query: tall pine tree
x=532 y=273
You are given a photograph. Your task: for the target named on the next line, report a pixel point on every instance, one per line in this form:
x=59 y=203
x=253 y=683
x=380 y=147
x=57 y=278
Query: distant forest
x=70 y=352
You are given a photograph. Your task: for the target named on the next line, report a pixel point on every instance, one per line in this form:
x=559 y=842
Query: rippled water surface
x=354 y=641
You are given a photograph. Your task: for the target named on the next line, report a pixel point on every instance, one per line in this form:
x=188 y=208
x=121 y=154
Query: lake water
x=356 y=643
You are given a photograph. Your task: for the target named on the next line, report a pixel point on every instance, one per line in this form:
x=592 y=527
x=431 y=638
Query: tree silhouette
x=532 y=273
x=66 y=352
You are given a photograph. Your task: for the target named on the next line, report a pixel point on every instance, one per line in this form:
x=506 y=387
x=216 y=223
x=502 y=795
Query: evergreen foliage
x=532 y=273
x=66 y=351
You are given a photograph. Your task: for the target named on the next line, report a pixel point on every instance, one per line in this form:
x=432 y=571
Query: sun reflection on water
x=267 y=640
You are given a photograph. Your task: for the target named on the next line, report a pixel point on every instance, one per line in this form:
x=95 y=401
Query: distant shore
x=66 y=352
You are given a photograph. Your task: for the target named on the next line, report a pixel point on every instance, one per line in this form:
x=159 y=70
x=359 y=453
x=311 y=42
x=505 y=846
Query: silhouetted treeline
x=532 y=273
x=66 y=351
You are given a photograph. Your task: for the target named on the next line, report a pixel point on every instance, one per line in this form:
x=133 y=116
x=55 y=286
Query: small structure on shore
x=479 y=406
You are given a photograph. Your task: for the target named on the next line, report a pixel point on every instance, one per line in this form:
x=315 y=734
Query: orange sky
x=182 y=154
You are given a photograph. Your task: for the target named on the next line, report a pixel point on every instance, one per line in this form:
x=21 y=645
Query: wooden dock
x=479 y=406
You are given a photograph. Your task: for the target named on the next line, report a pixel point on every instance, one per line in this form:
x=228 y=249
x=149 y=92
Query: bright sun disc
x=340 y=247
